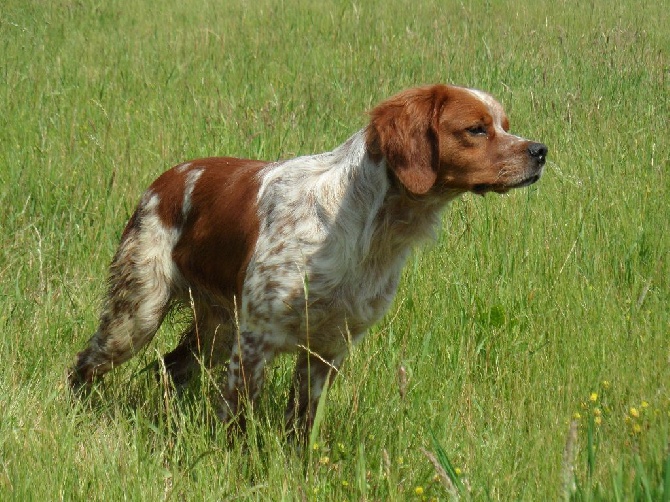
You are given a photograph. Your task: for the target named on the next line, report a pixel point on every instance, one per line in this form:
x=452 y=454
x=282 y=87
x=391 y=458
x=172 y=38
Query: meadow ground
x=534 y=334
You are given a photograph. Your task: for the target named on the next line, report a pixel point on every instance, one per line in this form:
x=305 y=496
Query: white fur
x=191 y=179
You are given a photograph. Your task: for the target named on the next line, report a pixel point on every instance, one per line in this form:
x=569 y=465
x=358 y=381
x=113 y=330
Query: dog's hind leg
x=207 y=342
x=141 y=282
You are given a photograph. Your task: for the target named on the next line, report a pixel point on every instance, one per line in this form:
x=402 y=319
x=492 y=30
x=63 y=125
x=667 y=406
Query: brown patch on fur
x=222 y=226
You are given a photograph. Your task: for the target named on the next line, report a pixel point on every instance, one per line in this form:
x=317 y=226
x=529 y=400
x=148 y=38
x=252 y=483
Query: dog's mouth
x=484 y=188
x=527 y=182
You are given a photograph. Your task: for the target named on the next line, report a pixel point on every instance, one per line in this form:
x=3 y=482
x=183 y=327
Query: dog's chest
x=293 y=296
x=322 y=267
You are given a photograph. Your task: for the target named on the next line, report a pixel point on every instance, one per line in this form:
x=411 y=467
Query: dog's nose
x=538 y=151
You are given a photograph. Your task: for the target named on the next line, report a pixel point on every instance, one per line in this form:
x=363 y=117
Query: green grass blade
x=446 y=464
x=666 y=476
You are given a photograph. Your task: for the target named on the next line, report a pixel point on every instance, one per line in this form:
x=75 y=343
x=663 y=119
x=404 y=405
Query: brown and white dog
x=302 y=255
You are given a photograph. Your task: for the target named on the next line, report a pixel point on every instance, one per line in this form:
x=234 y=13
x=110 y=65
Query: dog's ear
x=404 y=131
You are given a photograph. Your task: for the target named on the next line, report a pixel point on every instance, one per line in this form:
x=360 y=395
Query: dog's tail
x=140 y=288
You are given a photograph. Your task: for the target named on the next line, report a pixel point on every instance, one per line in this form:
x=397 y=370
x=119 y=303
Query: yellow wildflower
x=634 y=412
x=418 y=490
x=593 y=397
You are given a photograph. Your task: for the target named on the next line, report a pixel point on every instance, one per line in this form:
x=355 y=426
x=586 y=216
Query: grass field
x=534 y=334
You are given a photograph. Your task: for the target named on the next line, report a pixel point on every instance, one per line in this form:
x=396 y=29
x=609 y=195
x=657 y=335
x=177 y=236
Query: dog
x=300 y=255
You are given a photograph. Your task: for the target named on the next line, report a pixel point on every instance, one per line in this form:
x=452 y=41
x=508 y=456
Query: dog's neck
x=374 y=192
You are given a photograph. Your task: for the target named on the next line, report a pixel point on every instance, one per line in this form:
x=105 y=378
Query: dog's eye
x=478 y=130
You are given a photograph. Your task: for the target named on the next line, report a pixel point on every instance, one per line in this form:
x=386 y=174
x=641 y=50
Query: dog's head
x=451 y=138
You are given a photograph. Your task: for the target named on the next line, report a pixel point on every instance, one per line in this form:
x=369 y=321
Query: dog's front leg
x=310 y=376
x=249 y=355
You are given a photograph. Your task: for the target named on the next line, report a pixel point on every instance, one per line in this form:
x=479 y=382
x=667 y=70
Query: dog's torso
x=331 y=234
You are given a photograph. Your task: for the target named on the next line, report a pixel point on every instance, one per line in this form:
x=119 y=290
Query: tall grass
x=531 y=312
